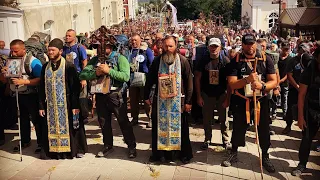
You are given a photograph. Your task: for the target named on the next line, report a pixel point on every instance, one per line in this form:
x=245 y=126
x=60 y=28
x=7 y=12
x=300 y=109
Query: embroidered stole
x=57 y=110
x=169 y=111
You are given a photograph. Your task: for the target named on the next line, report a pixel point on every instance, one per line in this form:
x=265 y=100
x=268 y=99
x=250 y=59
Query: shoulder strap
x=78 y=48
x=27 y=64
x=264 y=57
x=238 y=57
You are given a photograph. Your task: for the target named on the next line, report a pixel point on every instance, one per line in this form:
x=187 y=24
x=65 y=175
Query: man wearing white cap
x=211 y=86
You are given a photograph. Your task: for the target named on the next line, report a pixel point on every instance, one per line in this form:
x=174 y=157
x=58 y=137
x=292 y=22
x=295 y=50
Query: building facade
x=262 y=14
x=11 y=25
x=55 y=17
x=130 y=7
x=108 y=12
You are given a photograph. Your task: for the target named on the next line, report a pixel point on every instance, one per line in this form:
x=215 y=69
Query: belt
x=248 y=106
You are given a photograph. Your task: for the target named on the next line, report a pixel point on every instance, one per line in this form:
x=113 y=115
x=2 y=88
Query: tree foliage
x=190 y=9
x=308 y=3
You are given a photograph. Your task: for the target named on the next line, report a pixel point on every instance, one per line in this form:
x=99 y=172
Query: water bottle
x=76 y=121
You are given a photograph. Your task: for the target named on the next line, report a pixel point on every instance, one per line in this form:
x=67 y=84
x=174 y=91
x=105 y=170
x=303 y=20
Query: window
x=47 y=27
x=273 y=17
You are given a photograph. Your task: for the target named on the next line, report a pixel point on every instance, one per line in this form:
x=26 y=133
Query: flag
x=174 y=15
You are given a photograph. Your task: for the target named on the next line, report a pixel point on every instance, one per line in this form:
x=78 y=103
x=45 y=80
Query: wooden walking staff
x=256 y=119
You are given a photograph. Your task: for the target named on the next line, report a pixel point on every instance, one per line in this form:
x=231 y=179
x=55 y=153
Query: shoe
x=152 y=159
x=162 y=160
x=287 y=130
x=227 y=146
x=132 y=153
x=134 y=122
x=266 y=163
x=86 y=121
x=230 y=114
x=298 y=170
x=233 y=157
x=185 y=160
x=217 y=121
x=272 y=132
x=274 y=117
x=205 y=145
x=2 y=142
x=23 y=146
x=80 y=155
x=105 y=151
x=38 y=150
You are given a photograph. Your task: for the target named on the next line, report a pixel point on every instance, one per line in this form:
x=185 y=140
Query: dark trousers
x=9 y=111
x=2 y=112
x=240 y=125
x=292 y=100
x=305 y=146
x=207 y=110
x=29 y=110
x=136 y=95
x=108 y=104
x=84 y=103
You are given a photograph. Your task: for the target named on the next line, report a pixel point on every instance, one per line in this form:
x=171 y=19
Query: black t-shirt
x=313 y=85
x=282 y=65
x=295 y=68
x=204 y=66
x=241 y=68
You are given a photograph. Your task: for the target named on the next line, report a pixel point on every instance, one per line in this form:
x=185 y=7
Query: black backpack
x=36 y=49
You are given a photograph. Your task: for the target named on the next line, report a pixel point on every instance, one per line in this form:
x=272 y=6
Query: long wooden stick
x=256 y=120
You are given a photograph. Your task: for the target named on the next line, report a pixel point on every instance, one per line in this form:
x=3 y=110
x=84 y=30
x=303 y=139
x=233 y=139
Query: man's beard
x=250 y=52
x=169 y=57
x=54 y=57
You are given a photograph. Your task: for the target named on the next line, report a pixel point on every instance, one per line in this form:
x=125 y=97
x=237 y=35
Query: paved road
x=205 y=165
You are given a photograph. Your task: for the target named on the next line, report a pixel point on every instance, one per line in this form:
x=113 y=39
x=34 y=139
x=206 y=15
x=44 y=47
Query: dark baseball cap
x=248 y=39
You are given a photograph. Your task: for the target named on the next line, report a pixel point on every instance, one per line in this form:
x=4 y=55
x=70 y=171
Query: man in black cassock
x=64 y=133
x=171 y=103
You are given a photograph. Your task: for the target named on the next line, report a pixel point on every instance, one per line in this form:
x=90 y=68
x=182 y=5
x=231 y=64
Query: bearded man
x=171 y=73
x=59 y=103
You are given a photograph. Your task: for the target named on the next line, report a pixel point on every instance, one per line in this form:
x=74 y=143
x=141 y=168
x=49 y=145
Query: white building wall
x=259 y=11
x=11 y=27
x=108 y=12
x=65 y=14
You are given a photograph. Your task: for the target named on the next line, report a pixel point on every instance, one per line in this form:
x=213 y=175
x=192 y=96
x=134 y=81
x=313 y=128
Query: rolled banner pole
x=256 y=121
x=18 y=114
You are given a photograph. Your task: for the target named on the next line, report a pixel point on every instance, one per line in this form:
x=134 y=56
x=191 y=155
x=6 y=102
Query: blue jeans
x=284 y=99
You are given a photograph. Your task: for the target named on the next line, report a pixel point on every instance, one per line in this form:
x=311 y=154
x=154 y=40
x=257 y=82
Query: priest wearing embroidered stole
x=59 y=105
x=171 y=73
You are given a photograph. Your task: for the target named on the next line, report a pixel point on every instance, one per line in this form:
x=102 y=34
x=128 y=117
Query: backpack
x=137 y=79
x=36 y=49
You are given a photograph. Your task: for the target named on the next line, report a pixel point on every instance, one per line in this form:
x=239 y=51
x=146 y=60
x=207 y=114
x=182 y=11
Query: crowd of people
x=180 y=76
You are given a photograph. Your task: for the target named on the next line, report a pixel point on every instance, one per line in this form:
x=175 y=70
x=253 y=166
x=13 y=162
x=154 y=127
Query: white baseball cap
x=214 y=41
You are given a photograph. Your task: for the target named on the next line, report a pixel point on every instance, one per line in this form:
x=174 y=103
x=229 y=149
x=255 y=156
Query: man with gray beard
x=171 y=73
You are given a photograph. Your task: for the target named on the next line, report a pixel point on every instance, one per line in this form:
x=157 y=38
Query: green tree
x=190 y=9
x=306 y=3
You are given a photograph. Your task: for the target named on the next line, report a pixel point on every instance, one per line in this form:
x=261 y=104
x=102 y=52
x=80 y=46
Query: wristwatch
x=263 y=87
